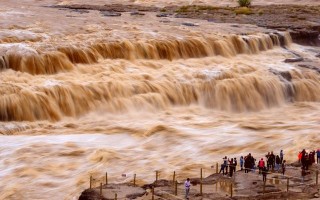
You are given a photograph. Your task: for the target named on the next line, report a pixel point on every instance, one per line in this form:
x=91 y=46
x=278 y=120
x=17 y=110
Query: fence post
x=152 y=192
x=115 y=196
x=217 y=166
x=201 y=181
x=100 y=190
x=174 y=177
x=317 y=173
x=106 y=178
x=176 y=188
x=287 y=184
x=231 y=190
x=90 y=181
x=134 y=180
x=217 y=185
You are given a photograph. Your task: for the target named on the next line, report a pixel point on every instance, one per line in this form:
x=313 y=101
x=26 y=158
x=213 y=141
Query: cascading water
x=82 y=94
x=225 y=92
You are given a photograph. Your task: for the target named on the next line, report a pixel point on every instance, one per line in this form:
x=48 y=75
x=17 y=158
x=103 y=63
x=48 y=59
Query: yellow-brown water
x=84 y=94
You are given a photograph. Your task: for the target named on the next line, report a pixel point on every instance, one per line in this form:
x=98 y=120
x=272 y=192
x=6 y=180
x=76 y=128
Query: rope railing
x=282 y=181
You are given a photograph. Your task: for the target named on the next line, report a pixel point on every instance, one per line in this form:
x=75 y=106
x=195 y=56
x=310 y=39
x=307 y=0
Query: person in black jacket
x=278 y=163
x=248 y=163
x=235 y=164
x=272 y=159
x=231 y=167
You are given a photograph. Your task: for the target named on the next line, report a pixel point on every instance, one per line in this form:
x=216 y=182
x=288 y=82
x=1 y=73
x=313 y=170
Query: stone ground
x=217 y=186
x=303 y=22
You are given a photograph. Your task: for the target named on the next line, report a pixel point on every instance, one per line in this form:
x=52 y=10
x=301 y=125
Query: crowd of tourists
x=271 y=163
x=307 y=159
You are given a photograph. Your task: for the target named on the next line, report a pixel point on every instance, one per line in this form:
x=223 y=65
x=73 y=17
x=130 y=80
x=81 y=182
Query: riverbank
x=242 y=186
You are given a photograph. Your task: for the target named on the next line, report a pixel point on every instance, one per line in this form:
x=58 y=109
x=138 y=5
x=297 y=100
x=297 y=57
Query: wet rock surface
x=189 y=24
x=291 y=60
x=245 y=186
x=110 y=14
x=162 y=15
x=310 y=66
x=137 y=13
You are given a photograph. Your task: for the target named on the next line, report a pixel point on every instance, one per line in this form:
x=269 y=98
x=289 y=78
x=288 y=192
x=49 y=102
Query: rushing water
x=82 y=94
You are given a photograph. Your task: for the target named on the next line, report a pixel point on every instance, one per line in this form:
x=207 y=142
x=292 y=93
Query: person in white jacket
x=187 y=187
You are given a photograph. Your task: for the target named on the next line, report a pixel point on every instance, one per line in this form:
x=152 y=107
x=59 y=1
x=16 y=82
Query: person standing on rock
x=281 y=155
x=253 y=169
x=283 y=167
x=303 y=158
x=278 y=163
x=318 y=156
x=224 y=166
x=272 y=159
x=225 y=163
x=241 y=162
x=246 y=164
x=222 y=169
x=235 y=164
x=268 y=161
x=231 y=167
x=261 y=165
x=299 y=156
x=307 y=163
x=187 y=185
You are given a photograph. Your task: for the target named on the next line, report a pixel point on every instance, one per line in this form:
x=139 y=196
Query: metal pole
x=317 y=173
x=231 y=190
x=156 y=177
x=201 y=181
x=115 y=196
x=287 y=184
x=174 y=177
x=134 y=180
x=176 y=188
x=106 y=178
x=217 y=170
x=100 y=190
x=152 y=192
x=264 y=187
x=90 y=182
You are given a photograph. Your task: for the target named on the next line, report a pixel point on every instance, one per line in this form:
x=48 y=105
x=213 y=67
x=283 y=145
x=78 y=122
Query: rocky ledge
x=303 y=22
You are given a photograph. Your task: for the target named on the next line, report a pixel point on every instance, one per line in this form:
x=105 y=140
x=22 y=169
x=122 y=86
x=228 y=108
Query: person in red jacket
x=261 y=165
x=299 y=156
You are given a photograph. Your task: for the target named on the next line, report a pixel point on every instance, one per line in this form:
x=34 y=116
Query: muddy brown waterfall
x=88 y=91
x=68 y=99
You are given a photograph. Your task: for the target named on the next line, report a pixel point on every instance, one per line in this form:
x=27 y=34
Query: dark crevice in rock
x=291 y=60
x=305 y=37
x=317 y=69
x=110 y=14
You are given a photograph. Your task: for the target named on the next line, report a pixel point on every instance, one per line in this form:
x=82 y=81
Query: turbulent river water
x=83 y=94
